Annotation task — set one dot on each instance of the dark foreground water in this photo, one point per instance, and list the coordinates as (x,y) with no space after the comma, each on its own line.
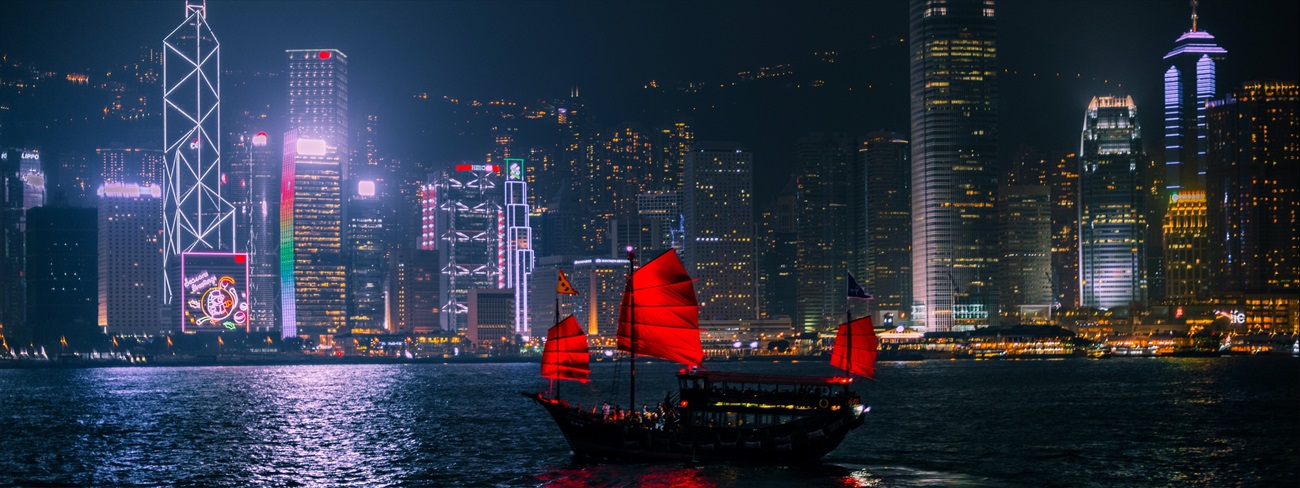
(1121,422)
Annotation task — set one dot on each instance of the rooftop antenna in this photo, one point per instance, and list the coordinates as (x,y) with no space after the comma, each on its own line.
(1194,2)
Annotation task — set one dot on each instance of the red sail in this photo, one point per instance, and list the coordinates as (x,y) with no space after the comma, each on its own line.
(855,348)
(565,356)
(661,299)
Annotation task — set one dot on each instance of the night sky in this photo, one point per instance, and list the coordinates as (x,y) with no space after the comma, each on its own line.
(529,50)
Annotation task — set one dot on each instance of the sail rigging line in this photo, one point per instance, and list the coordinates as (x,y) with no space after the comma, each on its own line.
(631,313)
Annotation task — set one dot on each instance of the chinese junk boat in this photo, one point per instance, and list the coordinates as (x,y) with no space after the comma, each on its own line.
(717,416)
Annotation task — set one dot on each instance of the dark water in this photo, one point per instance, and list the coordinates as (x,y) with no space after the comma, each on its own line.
(1162,422)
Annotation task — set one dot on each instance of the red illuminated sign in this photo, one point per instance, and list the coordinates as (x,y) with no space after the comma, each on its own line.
(324,54)
(478,167)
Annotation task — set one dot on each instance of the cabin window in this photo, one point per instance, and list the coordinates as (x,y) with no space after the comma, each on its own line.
(730,419)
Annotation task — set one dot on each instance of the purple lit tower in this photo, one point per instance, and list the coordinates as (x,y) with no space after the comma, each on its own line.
(1189,84)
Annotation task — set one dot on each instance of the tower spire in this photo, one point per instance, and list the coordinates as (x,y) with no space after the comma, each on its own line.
(1194,2)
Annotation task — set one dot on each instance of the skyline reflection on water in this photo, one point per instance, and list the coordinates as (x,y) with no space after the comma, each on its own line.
(1027,423)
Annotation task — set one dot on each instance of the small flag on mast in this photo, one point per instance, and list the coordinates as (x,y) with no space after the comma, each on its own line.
(856,290)
(563,287)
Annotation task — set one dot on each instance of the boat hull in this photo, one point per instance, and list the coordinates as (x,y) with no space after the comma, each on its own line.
(804,441)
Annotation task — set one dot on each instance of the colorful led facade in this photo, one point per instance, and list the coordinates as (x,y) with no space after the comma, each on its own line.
(1112,217)
(214,287)
(518,243)
(196,216)
(954,157)
(315,167)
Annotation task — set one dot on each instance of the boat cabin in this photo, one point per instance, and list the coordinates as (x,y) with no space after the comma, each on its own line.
(743,400)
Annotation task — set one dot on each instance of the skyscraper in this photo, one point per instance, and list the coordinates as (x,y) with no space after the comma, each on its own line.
(718,204)
(196,216)
(367,253)
(62,278)
(1189,84)
(22,187)
(1186,251)
(470,224)
(315,168)
(954,150)
(130,165)
(518,240)
(255,193)
(886,159)
(1112,217)
(825,227)
(1025,254)
(1253,174)
(1063,178)
(130,246)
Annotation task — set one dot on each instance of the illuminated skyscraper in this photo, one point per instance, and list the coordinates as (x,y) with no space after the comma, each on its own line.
(825,228)
(1063,177)
(718,203)
(367,252)
(1189,84)
(600,283)
(196,216)
(1186,239)
(954,153)
(1112,217)
(470,224)
(664,207)
(1254,177)
(313,286)
(130,245)
(133,165)
(1025,254)
(518,243)
(254,190)
(886,157)
(22,188)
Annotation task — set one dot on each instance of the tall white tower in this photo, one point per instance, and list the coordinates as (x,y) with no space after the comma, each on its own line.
(518,242)
(195,216)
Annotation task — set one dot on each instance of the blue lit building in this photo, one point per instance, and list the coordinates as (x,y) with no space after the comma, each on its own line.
(1112,219)
(1189,84)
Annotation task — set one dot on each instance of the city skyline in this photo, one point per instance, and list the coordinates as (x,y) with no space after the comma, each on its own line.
(357,214)
(1046,61)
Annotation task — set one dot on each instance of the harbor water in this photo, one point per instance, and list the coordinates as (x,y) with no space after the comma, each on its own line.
(1118,422)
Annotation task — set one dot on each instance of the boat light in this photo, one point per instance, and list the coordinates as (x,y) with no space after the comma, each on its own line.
(683,403)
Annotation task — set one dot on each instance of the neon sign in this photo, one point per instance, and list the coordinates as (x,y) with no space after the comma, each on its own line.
(478,167)
(215,287)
